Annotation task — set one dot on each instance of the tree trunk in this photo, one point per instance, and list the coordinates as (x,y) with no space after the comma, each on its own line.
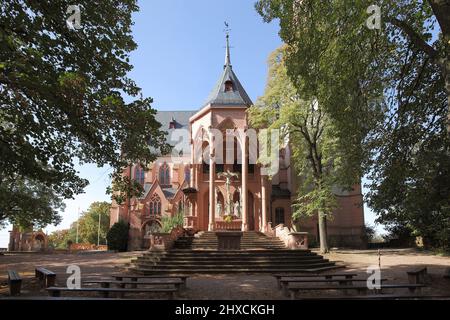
(323,233)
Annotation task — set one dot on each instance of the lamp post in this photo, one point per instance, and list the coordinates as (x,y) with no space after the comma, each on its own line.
(78,219)
(98,231)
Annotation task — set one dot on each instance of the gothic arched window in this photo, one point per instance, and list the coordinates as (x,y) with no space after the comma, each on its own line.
(164,174)
(139,174)
(154,206)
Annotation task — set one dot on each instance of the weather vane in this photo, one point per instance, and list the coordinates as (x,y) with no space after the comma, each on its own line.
(227,28)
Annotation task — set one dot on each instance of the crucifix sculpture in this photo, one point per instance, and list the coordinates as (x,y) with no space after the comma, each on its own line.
(228,175)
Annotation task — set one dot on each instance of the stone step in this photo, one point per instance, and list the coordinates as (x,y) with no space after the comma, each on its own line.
(241,253)
(240,258)
(211,263)
(235,270)
(255,252)
(232,263)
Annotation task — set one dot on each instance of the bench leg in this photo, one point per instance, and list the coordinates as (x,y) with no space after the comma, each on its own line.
(134,285)
(55,293)
(285,289)
(171,295)
(412,279)
(15,287)
(292,294)
(279,283)
(50,281)
(121,294)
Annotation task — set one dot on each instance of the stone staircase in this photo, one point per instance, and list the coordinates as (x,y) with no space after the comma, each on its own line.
(250,240)
(258,254)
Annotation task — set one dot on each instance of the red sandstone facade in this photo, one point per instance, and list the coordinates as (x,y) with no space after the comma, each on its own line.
(184,185)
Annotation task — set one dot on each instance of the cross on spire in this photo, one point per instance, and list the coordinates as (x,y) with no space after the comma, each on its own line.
(227,50)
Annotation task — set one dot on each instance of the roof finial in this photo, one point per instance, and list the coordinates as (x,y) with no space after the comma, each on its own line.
(227,52)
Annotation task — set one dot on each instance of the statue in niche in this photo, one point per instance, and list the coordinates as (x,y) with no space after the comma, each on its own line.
(237,209)
(218,209)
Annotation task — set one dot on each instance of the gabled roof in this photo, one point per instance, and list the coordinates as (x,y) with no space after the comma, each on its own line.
(237,96)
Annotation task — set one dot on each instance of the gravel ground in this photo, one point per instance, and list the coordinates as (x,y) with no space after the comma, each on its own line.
(394,264)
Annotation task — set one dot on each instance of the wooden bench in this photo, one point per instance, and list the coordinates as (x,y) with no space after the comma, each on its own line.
(56,291)
(360,289)
(326,276)
(177,283)
(285,281)
(135,277)
(417,276)
(14,282)
(46,277)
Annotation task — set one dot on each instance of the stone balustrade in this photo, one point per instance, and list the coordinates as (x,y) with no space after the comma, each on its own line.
(232,225)
(291,239)
(164,241)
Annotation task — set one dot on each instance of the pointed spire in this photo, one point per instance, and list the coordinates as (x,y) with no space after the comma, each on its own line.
(227,53)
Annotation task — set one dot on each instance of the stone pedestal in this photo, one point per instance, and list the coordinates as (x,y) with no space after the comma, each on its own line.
(298,240)
(229,240)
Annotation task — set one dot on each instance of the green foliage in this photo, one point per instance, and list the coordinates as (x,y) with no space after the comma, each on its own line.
(315,148)
(384,89)
(168,223)
(28,203)
(88,223)
(87,227)
(369,233)
(118,236)
(58,239)
(63,97)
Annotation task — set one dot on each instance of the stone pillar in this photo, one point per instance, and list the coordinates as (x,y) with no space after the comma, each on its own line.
(212,189)
(192,182)
(244,182)
(263,204)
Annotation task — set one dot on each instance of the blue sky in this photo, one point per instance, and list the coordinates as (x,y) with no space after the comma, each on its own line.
(179,58)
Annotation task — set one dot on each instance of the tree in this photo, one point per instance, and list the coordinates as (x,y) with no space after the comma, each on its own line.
(28,203)
(64,92)
(317,154)
(402,72)
(314,28)
(58,239)
(88,223)
(118,236)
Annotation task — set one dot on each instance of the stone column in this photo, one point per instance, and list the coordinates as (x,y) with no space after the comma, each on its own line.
(263,204)
(192,182)
(244,182)
(212,189)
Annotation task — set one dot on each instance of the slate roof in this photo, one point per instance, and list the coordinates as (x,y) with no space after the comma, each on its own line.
(169,192)
(147,187)
(180,119)
(237,96)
